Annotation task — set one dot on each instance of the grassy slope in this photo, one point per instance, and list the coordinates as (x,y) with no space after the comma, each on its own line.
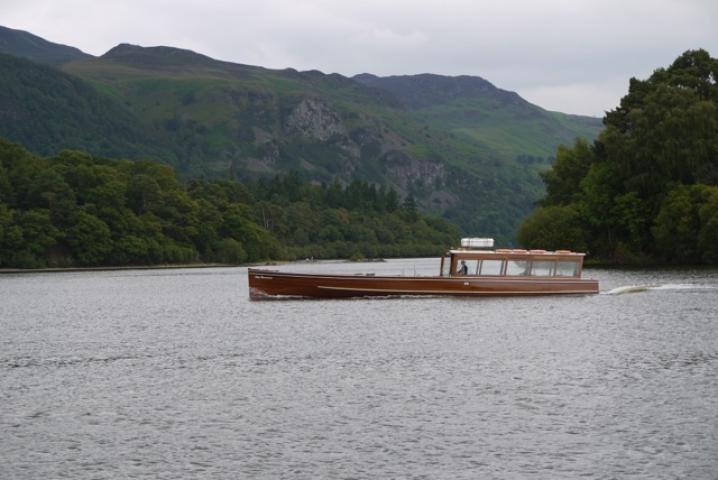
(501,122)
(510,134)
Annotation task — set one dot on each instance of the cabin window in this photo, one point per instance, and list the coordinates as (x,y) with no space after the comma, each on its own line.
(542,268)
(517,267)
(491,267)
(472,267)
(566,269)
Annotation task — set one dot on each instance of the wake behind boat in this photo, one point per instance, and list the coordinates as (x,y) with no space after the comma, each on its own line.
(473,270)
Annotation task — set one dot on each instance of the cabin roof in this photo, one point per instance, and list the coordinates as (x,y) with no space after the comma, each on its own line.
(514,253)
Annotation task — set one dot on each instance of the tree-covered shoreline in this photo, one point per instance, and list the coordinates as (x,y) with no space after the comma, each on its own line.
(646,191)
(76,210)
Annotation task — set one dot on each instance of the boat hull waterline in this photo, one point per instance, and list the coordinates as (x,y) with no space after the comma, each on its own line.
(267,284)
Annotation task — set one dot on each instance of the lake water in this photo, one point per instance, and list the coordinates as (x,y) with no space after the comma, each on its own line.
(172,374)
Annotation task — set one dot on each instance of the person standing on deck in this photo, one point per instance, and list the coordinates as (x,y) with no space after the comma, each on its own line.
(464,269)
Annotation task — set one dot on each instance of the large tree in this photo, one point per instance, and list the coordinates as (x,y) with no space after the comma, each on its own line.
(628,187)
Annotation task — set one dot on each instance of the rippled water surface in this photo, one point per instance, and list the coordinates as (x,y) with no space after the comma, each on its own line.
(176,374)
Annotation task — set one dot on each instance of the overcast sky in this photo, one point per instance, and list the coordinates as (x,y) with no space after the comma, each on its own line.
(574,56)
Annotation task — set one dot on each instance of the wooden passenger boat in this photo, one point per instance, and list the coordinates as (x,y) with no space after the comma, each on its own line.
(467,271)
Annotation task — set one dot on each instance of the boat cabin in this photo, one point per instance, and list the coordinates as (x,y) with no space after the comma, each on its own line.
(474,259)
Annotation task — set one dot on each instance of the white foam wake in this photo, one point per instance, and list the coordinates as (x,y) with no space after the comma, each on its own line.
(685,286)
(669,286)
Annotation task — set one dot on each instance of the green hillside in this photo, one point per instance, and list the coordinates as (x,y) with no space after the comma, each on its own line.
(215,119)
(49,110)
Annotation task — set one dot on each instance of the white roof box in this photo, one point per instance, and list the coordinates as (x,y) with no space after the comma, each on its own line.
(477,242)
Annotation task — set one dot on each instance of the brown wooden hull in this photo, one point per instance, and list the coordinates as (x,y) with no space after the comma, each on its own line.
(264,284)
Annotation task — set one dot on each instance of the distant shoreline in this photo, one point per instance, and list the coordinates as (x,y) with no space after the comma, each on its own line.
(8,271)
(109,269)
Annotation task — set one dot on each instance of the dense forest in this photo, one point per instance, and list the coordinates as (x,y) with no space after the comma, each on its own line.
(75,209)
(646,191)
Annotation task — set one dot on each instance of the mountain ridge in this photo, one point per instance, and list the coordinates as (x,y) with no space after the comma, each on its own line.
(24,44)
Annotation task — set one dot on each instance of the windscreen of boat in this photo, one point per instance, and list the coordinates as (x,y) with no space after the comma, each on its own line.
(445,266)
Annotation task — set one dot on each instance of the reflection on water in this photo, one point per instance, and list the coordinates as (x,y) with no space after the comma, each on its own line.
(175,374)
